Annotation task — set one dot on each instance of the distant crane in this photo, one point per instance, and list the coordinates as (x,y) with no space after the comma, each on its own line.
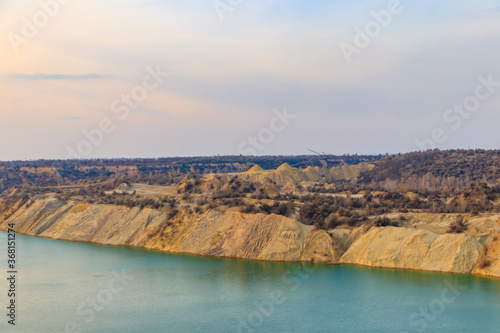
(320,154)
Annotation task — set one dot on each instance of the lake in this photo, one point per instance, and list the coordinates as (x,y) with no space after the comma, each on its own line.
(75,287)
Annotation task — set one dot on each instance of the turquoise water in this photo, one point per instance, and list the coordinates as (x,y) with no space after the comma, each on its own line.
(72,287)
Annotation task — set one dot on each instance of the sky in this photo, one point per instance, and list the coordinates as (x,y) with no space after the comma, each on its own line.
(151,78)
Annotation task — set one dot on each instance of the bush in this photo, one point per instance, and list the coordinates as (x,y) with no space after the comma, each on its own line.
(249,209)
(458,226)
(385,222)
(172,214)
(485,263)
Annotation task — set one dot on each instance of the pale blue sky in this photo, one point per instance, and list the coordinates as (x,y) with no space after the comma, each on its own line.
(227,76)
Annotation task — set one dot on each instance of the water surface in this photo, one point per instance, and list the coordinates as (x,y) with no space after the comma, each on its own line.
(73,287)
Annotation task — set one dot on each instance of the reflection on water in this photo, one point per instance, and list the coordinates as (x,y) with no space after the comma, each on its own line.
(65,283)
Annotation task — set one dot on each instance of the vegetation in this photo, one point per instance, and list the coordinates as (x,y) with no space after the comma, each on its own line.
(465,182)
(458,226)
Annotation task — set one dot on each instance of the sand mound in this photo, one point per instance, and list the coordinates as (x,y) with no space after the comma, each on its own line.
(285,167)
(295,174)
(255,168)
(314,173)
(124,188)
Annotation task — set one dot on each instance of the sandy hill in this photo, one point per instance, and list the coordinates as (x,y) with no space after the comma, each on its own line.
(287,173)
(255,169)
(284,179)
(288,178)
(124,188)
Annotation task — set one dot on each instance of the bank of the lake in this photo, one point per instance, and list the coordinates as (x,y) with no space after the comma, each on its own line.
(230,233)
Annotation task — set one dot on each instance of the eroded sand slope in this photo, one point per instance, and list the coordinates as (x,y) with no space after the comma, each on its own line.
(264,237)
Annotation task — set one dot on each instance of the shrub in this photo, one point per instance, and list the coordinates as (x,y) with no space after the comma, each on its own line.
(458,226)
(385,222)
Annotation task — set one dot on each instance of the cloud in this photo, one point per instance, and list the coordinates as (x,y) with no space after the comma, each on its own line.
(42,76)
(228,76)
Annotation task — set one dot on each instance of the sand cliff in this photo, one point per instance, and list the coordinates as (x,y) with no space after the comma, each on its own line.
(266,237)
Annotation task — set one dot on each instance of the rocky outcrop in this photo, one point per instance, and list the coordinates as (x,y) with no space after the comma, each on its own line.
(229,234)
(416,249)
(491,262)
(262,237)
(287,173)
(320,248)
(285,179)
